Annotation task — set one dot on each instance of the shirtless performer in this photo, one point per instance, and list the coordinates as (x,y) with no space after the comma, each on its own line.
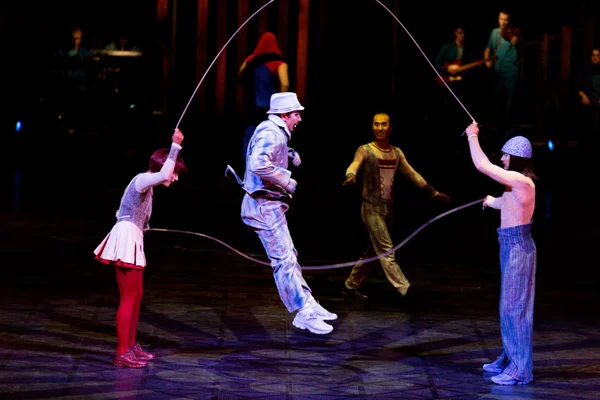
(518,255)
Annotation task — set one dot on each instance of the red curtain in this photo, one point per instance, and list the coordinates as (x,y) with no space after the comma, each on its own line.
(162,9)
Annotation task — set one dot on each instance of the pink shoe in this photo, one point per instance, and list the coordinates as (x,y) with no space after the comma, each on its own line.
(141,354)
(129,360)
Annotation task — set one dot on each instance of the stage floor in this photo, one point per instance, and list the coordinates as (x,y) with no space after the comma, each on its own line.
(219,330)
(215,320)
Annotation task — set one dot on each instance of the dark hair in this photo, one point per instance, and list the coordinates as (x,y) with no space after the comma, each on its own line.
(382,112)
(455,27)
(522,165)
(158,158)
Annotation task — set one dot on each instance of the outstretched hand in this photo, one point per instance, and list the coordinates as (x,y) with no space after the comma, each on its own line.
(350,178)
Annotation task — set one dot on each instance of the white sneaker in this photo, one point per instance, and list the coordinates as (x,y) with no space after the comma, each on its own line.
(308,319)
(321,311)
(493,367)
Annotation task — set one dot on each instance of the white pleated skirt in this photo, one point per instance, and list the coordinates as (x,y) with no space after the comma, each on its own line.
(123,246)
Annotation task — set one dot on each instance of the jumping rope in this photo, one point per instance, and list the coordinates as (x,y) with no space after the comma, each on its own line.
(215,59)
(339,265)
(329,266)
(427,59)
(271,1)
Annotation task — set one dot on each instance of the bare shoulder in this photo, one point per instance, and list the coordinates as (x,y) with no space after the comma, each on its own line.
(524,185)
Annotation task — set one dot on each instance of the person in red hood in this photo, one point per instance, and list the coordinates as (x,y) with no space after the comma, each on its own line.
(263,73)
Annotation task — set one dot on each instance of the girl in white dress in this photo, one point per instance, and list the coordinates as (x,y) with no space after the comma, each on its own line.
(123,248)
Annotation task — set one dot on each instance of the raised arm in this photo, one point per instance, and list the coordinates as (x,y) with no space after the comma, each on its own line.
(483,164)
(150,179)
(352,170)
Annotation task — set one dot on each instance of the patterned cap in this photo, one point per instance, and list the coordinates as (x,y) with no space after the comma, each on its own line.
(518,146)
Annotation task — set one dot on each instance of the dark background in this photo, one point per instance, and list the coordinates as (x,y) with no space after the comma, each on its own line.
(71,171)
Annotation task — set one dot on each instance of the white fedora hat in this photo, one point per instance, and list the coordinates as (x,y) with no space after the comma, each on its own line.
(285,102)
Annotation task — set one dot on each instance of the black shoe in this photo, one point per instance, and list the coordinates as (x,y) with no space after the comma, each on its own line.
(354,293)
